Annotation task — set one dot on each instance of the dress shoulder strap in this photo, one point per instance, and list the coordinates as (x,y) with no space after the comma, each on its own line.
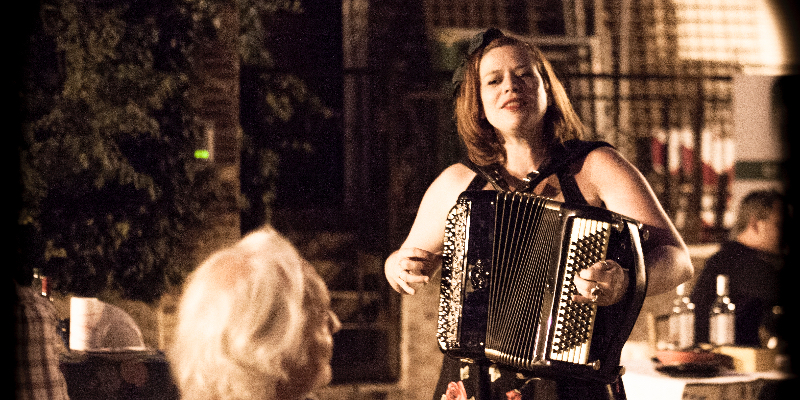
(484,175)
(477,183)
(562,156)
(574,150)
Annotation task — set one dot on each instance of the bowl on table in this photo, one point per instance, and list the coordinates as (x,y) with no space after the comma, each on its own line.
(691,362)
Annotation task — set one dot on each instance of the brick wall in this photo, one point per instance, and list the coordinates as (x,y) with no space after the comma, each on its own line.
(215,98)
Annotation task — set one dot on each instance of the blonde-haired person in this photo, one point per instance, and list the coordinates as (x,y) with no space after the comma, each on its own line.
(522,134)
(254,322)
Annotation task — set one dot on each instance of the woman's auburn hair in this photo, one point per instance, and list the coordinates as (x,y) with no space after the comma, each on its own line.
(484,145)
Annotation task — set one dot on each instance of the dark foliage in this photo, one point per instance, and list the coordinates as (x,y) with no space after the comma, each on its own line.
(109,179)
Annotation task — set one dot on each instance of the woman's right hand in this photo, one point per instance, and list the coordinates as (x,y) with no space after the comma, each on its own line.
(409,267)
(420,255)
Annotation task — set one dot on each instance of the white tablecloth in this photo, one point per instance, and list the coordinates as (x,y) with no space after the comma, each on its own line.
(643,382)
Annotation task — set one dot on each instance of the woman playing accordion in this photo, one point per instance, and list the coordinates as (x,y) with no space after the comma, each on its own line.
(522,135)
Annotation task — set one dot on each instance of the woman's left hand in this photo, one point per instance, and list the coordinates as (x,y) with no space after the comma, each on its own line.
(604,283)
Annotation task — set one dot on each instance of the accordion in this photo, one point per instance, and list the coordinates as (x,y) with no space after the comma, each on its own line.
(508,266)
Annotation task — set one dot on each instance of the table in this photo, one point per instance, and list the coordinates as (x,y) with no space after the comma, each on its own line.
(129,375)
(643,382)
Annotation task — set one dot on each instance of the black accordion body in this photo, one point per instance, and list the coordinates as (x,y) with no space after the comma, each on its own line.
(506,293)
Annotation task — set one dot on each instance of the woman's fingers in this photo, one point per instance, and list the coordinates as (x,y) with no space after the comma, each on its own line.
(417,261)
(603,283)
(590,291)
(404,286)
(414,267)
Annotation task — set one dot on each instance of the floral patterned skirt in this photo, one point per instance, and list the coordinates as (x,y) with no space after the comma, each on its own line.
(461,380)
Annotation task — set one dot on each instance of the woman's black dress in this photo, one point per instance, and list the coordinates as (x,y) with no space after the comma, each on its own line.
(460,380)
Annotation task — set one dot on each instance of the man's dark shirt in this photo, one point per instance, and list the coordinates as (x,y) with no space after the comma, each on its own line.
(753,288)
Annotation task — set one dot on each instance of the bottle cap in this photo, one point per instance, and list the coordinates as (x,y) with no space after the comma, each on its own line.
(722,285)
(681,289)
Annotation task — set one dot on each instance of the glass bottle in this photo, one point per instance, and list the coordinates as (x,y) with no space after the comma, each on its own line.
(721,323)
(681,320)
(46,289)
(36,284)
(41,285)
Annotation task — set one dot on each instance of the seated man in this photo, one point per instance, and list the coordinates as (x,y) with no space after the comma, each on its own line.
(751,260)
(38,347)
(254,322)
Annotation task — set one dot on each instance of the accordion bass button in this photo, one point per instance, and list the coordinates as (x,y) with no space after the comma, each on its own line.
(479,275)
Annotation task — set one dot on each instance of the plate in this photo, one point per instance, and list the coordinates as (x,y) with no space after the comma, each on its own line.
(693,356)
(689,370)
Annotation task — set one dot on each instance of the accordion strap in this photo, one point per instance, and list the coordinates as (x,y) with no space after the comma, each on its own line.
(561,157)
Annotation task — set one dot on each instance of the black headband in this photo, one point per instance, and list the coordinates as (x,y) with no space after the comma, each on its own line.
(477,42)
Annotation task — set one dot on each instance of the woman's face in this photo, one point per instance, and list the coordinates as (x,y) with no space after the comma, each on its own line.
(321,324)
(512,90)
(320,335)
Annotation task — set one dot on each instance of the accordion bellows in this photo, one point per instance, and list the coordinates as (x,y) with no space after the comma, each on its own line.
(508,266)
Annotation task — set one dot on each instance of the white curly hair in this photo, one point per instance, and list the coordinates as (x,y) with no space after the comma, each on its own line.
(241,320)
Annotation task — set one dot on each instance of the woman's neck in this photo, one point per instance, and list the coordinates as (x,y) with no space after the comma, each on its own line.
(524,156)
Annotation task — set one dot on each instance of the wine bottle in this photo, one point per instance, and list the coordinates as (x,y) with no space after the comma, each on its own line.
(46,288)
(41,284)
(721,323)
(36,284)
(681,320)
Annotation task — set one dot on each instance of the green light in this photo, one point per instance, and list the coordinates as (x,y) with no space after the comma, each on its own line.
(204,154)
